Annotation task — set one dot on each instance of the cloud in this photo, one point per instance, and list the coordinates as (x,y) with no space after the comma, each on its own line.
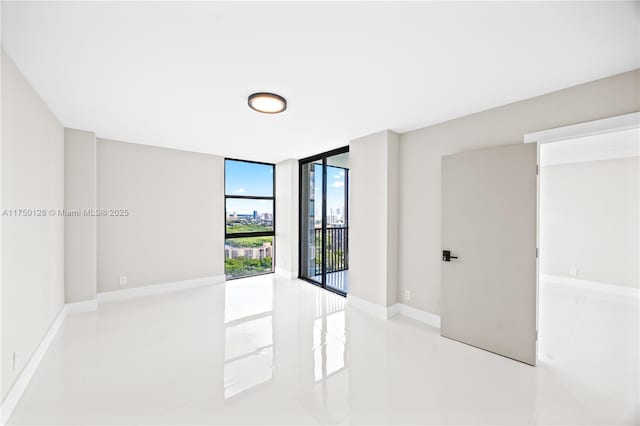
(339,175)
(239,190)
(338,184)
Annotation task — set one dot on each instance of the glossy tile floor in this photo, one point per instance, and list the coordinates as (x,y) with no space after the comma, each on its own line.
(272,351)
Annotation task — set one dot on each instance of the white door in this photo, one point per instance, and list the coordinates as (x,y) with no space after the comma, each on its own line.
(489,220)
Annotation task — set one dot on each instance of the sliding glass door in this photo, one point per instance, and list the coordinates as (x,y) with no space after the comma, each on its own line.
(324,220)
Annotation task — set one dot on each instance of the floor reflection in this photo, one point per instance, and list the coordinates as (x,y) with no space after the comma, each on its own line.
(322,352)
(249,333)
(329,349)
(265,350)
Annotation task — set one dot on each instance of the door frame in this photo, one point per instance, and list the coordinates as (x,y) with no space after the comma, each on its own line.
(564,133)
(323,156)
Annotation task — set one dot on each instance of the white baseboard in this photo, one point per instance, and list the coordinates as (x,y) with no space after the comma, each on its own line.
(80,307)
(21,383)
(374,309)
(382,312)
(393,310)
(290,275)
(423,316)
(591,289)
(149,290)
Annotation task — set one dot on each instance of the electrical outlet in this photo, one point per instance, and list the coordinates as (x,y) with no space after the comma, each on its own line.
(14,361)
(123,280)
(407,295)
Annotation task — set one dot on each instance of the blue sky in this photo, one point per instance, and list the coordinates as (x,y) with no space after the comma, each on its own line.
(335,190)
(242,178)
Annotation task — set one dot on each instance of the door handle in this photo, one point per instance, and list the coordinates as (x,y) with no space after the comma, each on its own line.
(446,256)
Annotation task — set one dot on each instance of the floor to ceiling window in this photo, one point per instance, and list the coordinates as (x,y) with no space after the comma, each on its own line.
(324,220)
(250,218)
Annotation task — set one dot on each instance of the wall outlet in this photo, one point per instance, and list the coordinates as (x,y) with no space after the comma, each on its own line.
(407,295)
(14,361)
(123,280)
(573,271)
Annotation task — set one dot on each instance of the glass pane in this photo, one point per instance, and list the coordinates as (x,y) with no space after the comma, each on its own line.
(311,250)
(339,160)
(243,178)
(337,232)
(246,215)
(336,196)
(248,256)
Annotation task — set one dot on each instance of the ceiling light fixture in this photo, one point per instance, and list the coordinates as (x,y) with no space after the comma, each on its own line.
(267,103)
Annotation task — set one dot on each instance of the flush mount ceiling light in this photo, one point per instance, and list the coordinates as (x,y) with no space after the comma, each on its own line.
(267,103)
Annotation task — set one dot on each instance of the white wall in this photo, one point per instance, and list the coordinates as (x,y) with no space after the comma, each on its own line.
(32,263)
(286,244)
(393,198)
(373,218)
(589,220)
(80,232)
(175,227)
(421,152)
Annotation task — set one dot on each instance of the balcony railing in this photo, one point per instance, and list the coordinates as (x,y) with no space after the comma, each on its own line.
(337,250)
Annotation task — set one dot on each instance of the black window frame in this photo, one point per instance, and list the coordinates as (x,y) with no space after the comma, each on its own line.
(323,156)
(272,233)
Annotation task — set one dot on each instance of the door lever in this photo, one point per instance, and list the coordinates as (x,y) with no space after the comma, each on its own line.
(446,256)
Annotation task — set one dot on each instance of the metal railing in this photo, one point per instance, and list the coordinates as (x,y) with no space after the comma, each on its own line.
(337,250)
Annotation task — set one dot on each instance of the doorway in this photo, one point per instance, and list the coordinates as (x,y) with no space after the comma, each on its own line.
(588,273)
(324,220)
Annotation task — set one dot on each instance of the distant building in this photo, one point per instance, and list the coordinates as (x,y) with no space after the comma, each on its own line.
(231,253)
(266,250)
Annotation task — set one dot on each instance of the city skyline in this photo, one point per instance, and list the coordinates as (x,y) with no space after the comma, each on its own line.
(245,206)
(254,179)
(335,190)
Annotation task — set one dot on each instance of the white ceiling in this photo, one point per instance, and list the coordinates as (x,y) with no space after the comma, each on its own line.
(178,74)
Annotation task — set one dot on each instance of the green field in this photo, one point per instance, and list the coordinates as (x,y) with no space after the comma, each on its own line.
(237,227)
(248,241)
(242,266)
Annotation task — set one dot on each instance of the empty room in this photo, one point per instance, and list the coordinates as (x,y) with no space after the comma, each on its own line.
(320,213)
